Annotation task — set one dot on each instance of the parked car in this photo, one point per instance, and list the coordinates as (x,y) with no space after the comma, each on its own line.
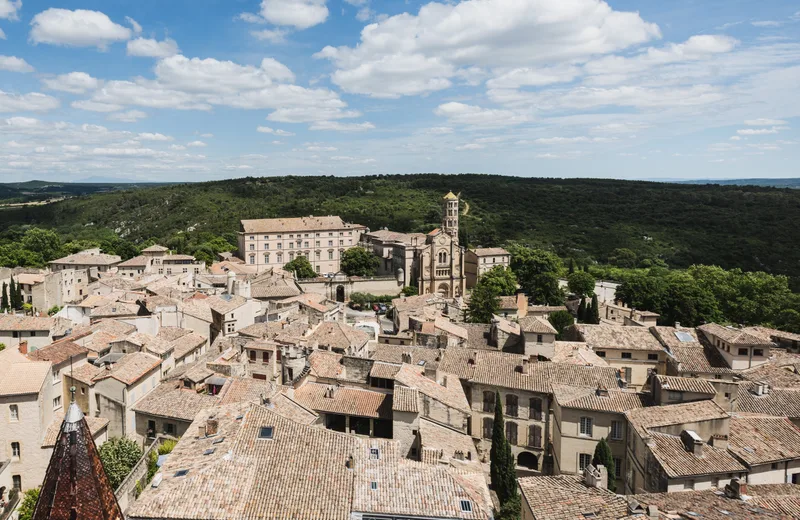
(376,307)
(382,307)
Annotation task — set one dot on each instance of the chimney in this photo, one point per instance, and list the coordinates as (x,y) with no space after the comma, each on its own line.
(405,357)
(736,489)
(533,358)
(652,512)
(201,431)
(350,462)
(525,367)
(23,347)
(596,477)
(677,324)
(692,442)
(602,391)
(212,426)
(719,441)
(648,440)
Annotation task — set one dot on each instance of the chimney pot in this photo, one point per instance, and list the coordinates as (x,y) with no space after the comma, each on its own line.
(23,347)
(212,426)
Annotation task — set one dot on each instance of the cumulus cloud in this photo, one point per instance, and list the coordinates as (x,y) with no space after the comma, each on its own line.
(470,146)
(14,64)
(9,8)
(416,54)
(134,24)
(129,116)
(93,106)
(271,35)
(2,35)
(79,28)
(31,102)
(300,14)
(196,144)
(765,122)
(74,82)
(153,48)
(268,130)
(148,136)
(758,131)
(338,126)
(472,115)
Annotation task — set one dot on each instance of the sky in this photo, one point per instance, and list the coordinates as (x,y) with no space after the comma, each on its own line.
(180,90)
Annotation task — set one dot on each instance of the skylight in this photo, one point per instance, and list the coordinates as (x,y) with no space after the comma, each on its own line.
(466,506)
(373,485)
(374,453)
(217,441)
(181,472)
(266,432)
(209,451)
(684,337)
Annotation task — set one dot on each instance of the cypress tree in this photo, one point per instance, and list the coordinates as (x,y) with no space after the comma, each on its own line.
(571,265)
(12,295)
(603,457)
(503,472)
(595,311)
(582,311)
(20,299)
(4,304)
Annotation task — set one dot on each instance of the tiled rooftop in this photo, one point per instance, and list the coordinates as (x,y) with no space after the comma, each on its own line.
(449,392)
(677,462)
(735,336)
(781,402)
(19,376)
(615,337)
(761,439)
(58,352)
(288,225)
(131,367)
(657,416)
(565,497)
(171,400)
(686,384)
(345,400)
(601,400)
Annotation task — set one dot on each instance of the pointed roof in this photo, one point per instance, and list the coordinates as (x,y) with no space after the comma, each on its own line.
(450,196)
(76,485)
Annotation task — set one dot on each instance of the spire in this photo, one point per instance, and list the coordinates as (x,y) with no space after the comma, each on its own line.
(75,486)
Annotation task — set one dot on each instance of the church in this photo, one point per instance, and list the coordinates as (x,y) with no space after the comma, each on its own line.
(432,262)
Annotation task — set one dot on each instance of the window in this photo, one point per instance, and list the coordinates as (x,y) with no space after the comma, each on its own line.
(466,506)
(16,451)
(230,327)
(252,247)
(374,453)
(266,432)
(488,426)
(56,375)
(586,426)
(266,258)
(442,257)
(758,352)
(317,255)
(169,428)
(584,459)
(674,396)
(252,259)
(181,473)
(539,338)
(341,242)
(265,357)
(511,432)
(17,480)
(627,374)
(317,267)
(330,255)
(291,256)
(652,357)
(266,237)
(535,436)
(535,410)
(689,484)
(617,467)
(253,356)
(616,430)
(57,402)
(266,246)
(14,412)
(330,243)
(305,245)
(252,237)
(316,243)
(280,257)
(715,482)
(626,355)
(488,401)
(280,246)
(600,353)
(742,351)
(774,465)
(373,485)
(511,405)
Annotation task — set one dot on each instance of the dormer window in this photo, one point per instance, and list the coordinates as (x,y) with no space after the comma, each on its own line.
(374,453)
(266,432)
(466,506)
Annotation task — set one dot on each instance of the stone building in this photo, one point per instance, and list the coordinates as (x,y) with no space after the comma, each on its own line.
(482,259)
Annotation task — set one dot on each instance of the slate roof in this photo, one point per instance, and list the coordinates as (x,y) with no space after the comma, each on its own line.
(170,400)
(762,439)
(678,462)
(565,497)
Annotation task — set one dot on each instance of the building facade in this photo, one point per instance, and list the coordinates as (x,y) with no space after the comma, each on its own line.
(482,259)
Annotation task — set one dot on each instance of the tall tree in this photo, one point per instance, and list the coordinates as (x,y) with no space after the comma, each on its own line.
(537,272)
(46,242)
(12,295)
(301,268)
(502,466)
(595,314)
(28,505)
(484,301)
(582,311)
(560,320)
(119,455)
(603,457)
(571,266)
(4,302)
(501,280)
(581,283)
(358,261)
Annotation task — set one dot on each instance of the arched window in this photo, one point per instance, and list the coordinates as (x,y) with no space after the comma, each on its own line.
(442,257)
(488,401)
(511,433)
(528,460)
(511,405)
(488,426)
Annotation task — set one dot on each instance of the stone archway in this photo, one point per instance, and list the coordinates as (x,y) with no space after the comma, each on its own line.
(528,460)
(443,289)
(340,293)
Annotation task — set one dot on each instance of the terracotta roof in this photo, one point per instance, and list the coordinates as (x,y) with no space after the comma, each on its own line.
(735,336)
(394,354)
(781,402)
(289,225)
(326,364)
(490,251)
(672,337)
(508,302)
(450,328)
(565,497)
(96,424)
(199,309)
(172,333)
(115,309)
(601,400)
(657,416)
(225,303)
(770,501)
(698,359)
(677,461)
(449,392)
(546,308)
(282,289)
(477,336)
(536,325)
(152,344)
(686,384)
(136,261)
(761,439)
(445,442)
(335,335)
(19,322)
(58,352)
(112,326)
(86,373)
(615,337)
(405,399)
(186,344)
(99,341)
(576,353)
(770,333)
(131,367)
(345,400)
(177,258)
(775,374)
(155,248)
(198,373)
(407,303)
(170,400)
(507,326)
(20,376)
(384,370)
(88,259)
(30,278)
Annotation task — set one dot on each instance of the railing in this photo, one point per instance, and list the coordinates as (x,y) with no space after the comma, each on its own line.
(13,500)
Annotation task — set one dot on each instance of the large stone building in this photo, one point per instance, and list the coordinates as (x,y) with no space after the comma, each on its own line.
(274,242)
(434,263)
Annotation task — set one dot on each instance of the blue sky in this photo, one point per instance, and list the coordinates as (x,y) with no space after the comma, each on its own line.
(183,91)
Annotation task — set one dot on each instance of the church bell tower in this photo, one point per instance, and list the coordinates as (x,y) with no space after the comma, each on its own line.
(450,215)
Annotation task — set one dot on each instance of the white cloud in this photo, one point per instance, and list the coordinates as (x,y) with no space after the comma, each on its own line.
(317,148)
(147,136)
(765,122)
(300,14)
(735,138)
(438,130)
(766,23)
(758,131)
(14,64)
(2,35)
(130,116)
(271,35)
(134,24)
(341,127)
(535,77)
(310,114)
(74,82)
(207,136)
(92,106)
(196,144)
(79,28)
(128,152)
(153,48)
(470,146)
(415,54)
(9,8)
(250,18)
(238,167)
(547,156)
(618,128)
(31,102)
(177,147)
(268,130)
(472,115)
